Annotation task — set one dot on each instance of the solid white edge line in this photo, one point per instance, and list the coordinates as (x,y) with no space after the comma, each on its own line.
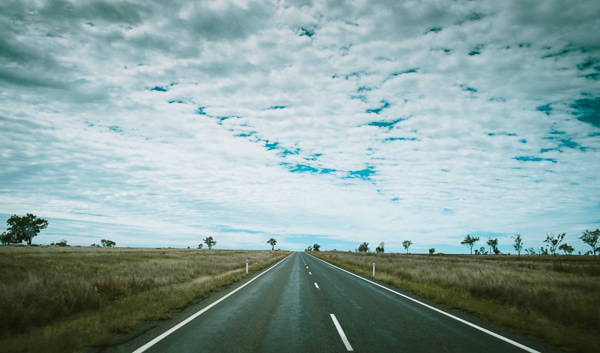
(316,285)
(507,340)
(341,333)
(184,322)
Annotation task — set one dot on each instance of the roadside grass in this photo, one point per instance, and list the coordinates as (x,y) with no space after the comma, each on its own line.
(57,299)
(556,299)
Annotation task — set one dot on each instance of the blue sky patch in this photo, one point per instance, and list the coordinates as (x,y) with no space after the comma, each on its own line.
(534,159)
(385,124)
(385,104)
(477,50)
(587,110)
(546,108)
(302,168)
(402,139)
(468,89)
(364,174)
(115,128)
(306,32)
(200,111)
(159,89)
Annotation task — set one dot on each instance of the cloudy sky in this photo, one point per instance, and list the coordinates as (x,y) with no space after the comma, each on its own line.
(330,122)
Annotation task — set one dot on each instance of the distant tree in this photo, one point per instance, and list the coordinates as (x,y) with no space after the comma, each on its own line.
(406,244)
(591,239)
(431,251)
(316,247)
(22,229)
(554,242)
(108,243)
(200,246)
(543,250)
(62,242)
(530,251)
(309,248)
(568,249)
(95,245)
(380,248)
(210,242)
(518,245)
(364,247)
(470,241)
(481,251)
(493,243)
(272,241)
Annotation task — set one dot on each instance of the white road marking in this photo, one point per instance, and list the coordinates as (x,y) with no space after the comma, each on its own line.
(316,285)
(184,322)
(493,334)
(341,332)
(309,273)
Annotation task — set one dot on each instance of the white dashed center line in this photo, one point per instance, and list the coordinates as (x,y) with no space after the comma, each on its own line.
(341,332)
(316,285)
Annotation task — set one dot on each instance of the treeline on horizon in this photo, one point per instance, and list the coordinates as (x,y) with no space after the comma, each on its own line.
(25,228)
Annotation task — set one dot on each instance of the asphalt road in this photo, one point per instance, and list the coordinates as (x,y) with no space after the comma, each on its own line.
(292,308)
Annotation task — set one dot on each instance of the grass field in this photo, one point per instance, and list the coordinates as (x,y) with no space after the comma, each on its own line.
(62,299)
(554,298)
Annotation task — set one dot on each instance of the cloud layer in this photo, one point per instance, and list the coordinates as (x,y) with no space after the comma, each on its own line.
(307,121)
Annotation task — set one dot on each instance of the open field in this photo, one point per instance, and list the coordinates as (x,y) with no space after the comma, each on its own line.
(554,298)
(62,299)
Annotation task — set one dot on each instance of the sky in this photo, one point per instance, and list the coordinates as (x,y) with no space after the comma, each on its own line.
(330,122)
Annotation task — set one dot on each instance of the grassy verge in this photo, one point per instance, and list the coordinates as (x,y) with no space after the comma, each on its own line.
(55,299)
(556,299)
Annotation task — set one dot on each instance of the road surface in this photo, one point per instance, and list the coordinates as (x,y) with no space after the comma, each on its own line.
(306,305)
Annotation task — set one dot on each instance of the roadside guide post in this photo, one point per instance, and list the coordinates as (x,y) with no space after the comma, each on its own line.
(246,266)
(373,270)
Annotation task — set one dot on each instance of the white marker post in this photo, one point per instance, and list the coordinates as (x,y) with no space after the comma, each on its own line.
(373,270)
(246,266)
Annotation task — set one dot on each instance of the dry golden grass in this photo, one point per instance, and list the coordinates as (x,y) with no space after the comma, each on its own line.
(57,299)
(554,298)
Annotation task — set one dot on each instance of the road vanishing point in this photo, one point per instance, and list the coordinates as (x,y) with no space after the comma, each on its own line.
(304,304)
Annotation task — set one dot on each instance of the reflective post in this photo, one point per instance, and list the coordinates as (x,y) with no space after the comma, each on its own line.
(373,269)
(246,266)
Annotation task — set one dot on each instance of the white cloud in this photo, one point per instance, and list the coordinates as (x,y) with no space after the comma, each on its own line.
(309,122)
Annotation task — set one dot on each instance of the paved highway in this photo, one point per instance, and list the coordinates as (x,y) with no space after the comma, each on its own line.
(306,305)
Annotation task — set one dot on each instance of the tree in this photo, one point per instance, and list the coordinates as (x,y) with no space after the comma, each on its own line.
(8,238)
(591,239)
(108,243)
(316,247)
(470,241)
(493,243)
(200,246)
(431,251)
(364,247)
(530,251)
(309,248)
(518,245)
(481,251)
(553,241)
(406,244)
(272,241)
(568,249)
(380,248)
(23,229)
(210,242)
